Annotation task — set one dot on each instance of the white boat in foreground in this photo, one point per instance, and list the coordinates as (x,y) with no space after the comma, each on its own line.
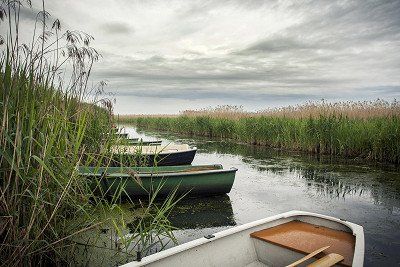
(294,238)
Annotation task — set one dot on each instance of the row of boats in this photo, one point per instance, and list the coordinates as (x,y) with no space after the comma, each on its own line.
(294,238)
(164,169)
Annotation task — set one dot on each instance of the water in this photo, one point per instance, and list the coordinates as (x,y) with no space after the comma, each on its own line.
(269,182)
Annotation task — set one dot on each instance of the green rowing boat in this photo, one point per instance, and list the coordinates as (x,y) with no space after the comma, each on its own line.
(142,181)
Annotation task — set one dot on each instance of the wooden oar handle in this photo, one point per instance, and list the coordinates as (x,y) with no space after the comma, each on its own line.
(307,257)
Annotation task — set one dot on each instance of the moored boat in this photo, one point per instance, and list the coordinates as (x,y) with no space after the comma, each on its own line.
(294,238)
(140,142)
(121,135)
(150,155)
(140,181)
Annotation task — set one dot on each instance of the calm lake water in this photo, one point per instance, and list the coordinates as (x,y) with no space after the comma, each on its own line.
(269,182)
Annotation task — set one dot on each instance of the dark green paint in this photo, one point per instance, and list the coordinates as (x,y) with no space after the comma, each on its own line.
(142,181)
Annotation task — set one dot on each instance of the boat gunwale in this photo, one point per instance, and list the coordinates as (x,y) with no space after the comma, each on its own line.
(144,143)
(156,172)
(158,153)
(357,231)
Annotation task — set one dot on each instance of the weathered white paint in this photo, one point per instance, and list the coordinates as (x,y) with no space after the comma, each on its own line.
(234,247)
(146,150)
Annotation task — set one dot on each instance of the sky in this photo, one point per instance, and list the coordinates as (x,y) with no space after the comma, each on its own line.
(168,56)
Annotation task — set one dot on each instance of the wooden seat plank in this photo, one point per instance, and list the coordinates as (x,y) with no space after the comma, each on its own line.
(305,238)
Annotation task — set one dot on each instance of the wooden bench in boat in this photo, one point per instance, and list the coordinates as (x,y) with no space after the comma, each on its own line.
(306,238)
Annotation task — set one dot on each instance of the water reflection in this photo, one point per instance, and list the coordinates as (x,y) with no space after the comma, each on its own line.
(206,212)
(329,184)
(327,176)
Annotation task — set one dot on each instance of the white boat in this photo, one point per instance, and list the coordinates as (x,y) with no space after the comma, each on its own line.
(294,238)
(151,149)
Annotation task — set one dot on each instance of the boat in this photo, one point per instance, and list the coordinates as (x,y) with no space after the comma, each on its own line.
(121,135)
(294,238)
(142,181)
(151,155)
(140,142)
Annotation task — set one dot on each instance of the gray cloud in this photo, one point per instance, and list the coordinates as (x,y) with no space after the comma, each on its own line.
(31,14)
(201,94)
(27,13)
(276,45)
(116,28)
(266,53)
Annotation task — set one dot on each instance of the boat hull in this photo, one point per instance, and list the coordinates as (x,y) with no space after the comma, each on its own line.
(157,159)
(234,247)
(136,182)
(172,159)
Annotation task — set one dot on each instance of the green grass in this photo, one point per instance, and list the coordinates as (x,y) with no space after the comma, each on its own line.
(47,130)
(376,138)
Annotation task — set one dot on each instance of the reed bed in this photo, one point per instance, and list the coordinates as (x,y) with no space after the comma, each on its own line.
(50,124)
(363,130)
(351,109)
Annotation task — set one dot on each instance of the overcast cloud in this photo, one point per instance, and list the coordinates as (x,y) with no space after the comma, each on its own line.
(166,56)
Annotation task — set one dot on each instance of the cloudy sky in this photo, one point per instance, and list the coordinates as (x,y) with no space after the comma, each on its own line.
(166,56)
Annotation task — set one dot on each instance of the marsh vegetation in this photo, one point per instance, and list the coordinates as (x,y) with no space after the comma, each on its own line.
(51,122)
(361,130)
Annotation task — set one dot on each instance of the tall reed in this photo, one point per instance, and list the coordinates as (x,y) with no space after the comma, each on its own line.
(49,126)
(364,130)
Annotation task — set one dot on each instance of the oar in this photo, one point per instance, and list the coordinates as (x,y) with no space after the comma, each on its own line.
(309,256)
(328,260)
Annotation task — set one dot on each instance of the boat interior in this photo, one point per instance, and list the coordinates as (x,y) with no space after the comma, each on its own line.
(314,241)
(164,169)
(292,239)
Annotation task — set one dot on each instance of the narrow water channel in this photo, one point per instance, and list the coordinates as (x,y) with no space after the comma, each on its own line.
(269,182)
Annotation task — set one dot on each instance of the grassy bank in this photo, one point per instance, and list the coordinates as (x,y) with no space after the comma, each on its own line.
(355,130)
(52,122)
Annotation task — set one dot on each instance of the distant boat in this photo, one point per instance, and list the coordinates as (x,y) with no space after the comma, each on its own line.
(294,238)
(140,142)
(150,155)
(121,135)
(118,134)
(139,181)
